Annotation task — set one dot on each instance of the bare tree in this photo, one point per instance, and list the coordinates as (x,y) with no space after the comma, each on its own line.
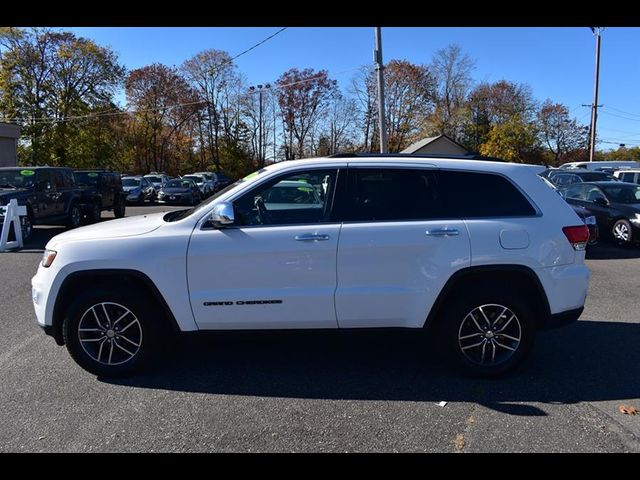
(212,73)
(452,72)
(303,97)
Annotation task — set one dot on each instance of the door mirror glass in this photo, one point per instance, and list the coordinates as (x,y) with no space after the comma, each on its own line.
(222,215)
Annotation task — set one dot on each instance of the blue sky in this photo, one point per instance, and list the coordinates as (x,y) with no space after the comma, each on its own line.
(557,63)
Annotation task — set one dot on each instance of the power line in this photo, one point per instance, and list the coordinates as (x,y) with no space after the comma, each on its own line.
(258,44)
(622,111)
(620,116)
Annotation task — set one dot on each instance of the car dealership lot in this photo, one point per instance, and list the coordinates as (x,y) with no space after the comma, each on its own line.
(327,391)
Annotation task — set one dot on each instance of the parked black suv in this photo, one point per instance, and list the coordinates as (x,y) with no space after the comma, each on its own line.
(100,190)
(49,193)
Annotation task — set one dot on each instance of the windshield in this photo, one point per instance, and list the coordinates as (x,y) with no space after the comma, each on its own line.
(596,177)
(85,179)
(180,214)
(130,182)
(154,179)
(623,194)
(178,184)
(18,178)
(194,178)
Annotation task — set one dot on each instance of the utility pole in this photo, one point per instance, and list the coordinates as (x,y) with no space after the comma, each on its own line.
(377,54)
(594,106)
(261,137)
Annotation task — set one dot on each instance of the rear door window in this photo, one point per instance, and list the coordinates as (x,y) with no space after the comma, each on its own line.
(388,194)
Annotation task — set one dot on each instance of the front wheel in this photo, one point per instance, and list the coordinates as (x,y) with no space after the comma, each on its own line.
(112,333)
(490,333)
(621,232)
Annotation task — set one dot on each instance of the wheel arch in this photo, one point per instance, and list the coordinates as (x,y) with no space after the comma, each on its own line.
(518,277)
(85,279)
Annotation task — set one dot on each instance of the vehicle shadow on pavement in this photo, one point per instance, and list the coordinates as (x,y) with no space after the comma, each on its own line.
(611,251)
(587,361)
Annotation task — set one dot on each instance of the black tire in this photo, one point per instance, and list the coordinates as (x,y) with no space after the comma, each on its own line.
(621,232)
(26,224)
(74,218)
(149,333)
(94,214)
(119,208)
(458,322)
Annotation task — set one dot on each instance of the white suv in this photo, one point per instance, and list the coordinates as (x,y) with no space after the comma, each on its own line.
(482,250)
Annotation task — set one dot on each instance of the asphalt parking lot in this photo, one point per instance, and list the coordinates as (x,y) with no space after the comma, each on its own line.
(334,391)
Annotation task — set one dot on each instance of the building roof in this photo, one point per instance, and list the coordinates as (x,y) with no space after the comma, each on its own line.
(415,147)
(9,130)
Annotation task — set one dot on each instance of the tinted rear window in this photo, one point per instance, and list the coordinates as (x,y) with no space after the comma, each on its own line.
(476,195)
(391,194)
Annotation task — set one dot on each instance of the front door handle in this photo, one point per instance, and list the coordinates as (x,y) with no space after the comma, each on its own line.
(442,232)
(312,237)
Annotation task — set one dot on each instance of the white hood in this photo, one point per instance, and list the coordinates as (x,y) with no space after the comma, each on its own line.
(121,227)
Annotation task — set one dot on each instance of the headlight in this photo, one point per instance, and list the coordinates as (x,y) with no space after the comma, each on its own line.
(48,258)
(591,220)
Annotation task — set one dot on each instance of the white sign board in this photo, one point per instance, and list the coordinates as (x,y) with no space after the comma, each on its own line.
(11,214)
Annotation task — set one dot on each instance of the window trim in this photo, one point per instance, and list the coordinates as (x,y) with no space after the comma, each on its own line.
(537,214)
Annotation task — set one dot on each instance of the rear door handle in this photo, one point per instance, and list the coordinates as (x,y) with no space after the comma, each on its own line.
(312,237)
(442,232)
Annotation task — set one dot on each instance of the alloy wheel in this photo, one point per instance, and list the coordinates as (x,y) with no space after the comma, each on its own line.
(621,231)
(110,333)
(489,335)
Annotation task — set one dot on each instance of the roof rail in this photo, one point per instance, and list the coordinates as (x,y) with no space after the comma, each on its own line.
(471,156)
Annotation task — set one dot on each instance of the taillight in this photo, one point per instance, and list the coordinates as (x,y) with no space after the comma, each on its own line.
(577,236)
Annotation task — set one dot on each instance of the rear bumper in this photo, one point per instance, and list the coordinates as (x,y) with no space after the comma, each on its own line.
(557,320)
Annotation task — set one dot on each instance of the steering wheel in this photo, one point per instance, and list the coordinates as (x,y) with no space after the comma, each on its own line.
(263,214)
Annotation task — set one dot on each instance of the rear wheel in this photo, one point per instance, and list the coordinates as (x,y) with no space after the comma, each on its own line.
(490,332)
(621,232)
(119,208)
(94,212)
(113,333)
(75,216)
(26,223)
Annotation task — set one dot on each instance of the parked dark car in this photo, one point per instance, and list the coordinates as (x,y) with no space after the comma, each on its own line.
(587,217)
(220,181)
(590,221)
(561,178)
(100,190)
(180,191)
(138,189)
(158,180)
(49,193)
(616,206)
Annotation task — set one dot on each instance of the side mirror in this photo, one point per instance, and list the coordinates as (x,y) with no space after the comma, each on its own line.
(222,215)
(601,201)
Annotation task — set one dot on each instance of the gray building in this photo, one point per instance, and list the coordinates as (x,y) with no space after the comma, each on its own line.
(9,135)
(441,145)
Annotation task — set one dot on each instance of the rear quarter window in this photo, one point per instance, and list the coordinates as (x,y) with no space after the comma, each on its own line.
(477,195)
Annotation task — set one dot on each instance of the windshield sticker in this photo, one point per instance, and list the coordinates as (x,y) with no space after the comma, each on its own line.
(305,189)
(27,173)
(92,174)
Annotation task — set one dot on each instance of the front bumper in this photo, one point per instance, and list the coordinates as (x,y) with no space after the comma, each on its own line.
(557,320)
(635,230)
